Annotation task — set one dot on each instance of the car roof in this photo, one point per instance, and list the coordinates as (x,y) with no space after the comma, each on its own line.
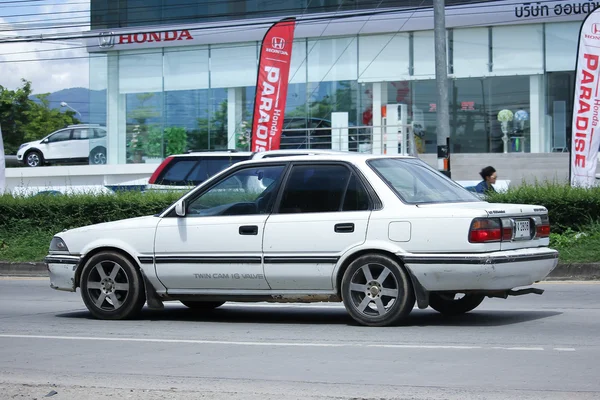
(214,153)
(353,157)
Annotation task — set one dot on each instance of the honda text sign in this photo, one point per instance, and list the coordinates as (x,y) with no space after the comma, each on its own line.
(586,105)
(271,85)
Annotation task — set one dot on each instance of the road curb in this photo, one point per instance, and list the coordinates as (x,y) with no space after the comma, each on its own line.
(23,269)
(575,272)
(563,272)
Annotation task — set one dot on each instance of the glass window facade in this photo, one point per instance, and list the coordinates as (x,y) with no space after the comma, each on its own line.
(162,101)
(127,13)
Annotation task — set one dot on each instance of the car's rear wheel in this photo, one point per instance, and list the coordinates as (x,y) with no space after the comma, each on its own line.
(377,291)
(98,157)
(112,287)
(203,305)
(34,159)
(451,304)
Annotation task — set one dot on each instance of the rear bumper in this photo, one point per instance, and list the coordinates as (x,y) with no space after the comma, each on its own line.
(62,271)
(500,270)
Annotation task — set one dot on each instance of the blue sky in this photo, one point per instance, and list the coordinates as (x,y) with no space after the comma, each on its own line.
(50,66)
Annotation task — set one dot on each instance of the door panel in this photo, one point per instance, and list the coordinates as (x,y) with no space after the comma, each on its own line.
(218,244)
(302,250)
(57,145)
(324,210)
(210,253)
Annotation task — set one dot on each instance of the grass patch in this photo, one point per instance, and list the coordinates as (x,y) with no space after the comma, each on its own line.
(578,246)
(24,246)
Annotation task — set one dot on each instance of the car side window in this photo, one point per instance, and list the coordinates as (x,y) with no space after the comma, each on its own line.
(60,136)
(322,188)
(357,197)
(248,191)
(81,134)
(99,133)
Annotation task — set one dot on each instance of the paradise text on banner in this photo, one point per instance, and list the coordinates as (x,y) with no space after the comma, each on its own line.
(586,104)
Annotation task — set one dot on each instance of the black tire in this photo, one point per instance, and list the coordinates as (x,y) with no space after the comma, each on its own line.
(126,286)
(370,301)
(202,305)
(98,157)
(33,159)
(447,304)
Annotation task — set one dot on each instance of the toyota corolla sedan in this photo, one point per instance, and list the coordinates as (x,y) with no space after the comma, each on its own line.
(377,233)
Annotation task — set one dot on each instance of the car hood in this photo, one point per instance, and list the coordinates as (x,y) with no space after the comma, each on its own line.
(114,226)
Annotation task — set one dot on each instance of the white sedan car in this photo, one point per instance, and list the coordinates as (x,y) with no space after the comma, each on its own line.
(374,232)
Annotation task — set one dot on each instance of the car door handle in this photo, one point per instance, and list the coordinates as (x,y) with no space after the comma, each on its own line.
(344,228)
(249,230)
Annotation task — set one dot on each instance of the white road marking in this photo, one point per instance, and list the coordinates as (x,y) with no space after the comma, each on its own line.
(276,344)
(520,348)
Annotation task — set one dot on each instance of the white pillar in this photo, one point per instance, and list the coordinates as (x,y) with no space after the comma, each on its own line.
(234,114)
(339,131)
(392,129)
(540,137)
(116,118)
(379,99)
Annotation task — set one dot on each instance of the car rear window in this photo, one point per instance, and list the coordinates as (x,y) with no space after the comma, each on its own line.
(415,182)
(187,171)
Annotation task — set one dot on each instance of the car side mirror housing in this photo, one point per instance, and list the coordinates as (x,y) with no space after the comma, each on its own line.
(45,141)
(180,208)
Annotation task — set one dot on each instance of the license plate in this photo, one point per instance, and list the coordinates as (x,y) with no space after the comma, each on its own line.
(522,229)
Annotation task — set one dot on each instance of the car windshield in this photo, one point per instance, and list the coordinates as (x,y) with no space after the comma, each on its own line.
(415,182)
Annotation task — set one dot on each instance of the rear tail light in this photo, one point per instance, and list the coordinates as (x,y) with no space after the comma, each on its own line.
(158,170)
(507,230)
(543,230)
(485,230)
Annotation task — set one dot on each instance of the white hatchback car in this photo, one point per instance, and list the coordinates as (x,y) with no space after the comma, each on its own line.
(75,143)
(376,232)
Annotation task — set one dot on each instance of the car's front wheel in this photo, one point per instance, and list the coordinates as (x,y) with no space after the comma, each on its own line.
(377,291)
(451,304)
(203,305)
(112,287)
(34,159)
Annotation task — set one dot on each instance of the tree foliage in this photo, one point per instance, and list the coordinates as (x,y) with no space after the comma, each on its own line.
(23,119)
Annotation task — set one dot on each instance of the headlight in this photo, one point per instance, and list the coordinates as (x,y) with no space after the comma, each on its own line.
(57,244)
(23,145)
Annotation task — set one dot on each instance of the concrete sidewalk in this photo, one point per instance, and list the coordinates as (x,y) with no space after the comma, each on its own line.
(563,272)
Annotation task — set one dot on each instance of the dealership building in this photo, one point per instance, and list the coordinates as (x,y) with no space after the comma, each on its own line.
(180,75)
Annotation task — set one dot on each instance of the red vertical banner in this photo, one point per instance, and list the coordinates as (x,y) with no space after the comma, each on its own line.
(272,85)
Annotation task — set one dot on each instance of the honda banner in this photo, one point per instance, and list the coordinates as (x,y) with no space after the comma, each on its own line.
(272,85)
(585,139)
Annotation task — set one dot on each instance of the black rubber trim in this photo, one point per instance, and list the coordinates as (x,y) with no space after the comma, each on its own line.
(60,260)
(207,260)
(301,260)
(146,259)
(478,259)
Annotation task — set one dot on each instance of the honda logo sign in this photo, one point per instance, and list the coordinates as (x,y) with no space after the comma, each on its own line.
(278,43)
(106,40)
(595,29)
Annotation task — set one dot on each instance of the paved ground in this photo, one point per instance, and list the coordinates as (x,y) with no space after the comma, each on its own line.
(528,347)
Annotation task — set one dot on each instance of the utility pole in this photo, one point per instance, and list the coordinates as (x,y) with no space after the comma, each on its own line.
(441,77)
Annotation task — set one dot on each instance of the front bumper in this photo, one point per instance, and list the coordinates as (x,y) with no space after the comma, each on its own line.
(62,269)
(500,270)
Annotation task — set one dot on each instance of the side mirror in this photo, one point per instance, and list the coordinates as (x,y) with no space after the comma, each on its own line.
(180,208)
(45,141)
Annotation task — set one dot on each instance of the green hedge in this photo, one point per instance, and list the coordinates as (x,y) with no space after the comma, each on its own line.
(568,207)
(55,213)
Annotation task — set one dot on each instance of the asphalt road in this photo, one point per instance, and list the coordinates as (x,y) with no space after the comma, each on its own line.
(528,347)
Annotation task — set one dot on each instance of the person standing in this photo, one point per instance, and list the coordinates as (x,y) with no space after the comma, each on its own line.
(489,176)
